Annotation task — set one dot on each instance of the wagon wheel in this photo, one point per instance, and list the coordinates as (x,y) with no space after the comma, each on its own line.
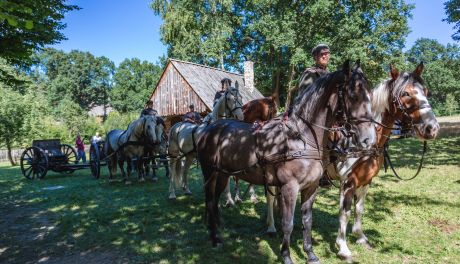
(95,160)
(34,163)
(71,155)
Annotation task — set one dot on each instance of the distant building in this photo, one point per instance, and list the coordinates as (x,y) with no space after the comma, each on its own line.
(100,111)
(183,83)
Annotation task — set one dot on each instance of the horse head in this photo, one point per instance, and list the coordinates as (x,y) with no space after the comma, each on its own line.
(355,106)
(150,129)
(229,105)
(409,103)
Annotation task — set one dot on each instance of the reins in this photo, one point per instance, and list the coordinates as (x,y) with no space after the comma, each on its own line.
(388,161)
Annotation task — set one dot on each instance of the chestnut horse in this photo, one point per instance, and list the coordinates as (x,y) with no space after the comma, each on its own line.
(287,153)
(257,110)
(402,97)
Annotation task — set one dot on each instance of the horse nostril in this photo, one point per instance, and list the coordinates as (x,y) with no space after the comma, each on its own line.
(428,129)
(366,141)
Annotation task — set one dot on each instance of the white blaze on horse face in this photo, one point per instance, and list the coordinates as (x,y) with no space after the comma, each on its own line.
(428,126)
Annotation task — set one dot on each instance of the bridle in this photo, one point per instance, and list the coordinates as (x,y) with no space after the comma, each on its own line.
(238,104)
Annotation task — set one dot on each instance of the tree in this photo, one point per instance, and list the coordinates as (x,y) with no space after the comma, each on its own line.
(278,35)
(134,82)
(452,8)
(441,71)
(77,76)
(12,116)
(29,25)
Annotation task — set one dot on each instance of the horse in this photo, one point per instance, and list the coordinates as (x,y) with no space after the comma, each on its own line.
(129,144)
(287,152)
(159,150)
(184,135)
(401,97)
(255,111)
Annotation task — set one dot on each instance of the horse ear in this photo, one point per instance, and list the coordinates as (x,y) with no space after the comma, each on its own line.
(237,85)
(357,64)
(394,73)
(346,68)
(419,69)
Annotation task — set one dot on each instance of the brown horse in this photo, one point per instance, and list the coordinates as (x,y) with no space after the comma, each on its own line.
(402,97)
(257,110)
(287,153)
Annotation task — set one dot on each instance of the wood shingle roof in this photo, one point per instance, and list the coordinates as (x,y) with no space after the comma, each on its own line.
(205,81)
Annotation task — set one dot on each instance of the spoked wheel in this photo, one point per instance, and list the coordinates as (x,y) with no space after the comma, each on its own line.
(34,163)
(71,156)
(95,160)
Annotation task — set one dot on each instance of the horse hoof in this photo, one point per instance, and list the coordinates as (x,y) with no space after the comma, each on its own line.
(287,260)
(238,200)
(254,199)
(271,233)
(364,243)
(172,196)
(188,192)
(141,180)
(155,179)
(127,183)
(229,204)
(345,257)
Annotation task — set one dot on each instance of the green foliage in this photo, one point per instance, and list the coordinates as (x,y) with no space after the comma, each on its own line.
(116,120)
(12,114)
(77,76)
(442,64)
(29,26)
(452,8)
(278,35)
(134,82)
(451,105)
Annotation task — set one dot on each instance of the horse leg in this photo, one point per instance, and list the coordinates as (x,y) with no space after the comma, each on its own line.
(252,192)
(175,165)
(154,168)
(212,208)
(237,190)
(271,230)
(360,196)
(346,198)
(288,196)
(229,202)
(140,169)
(187,164)
(166,166)
(128,168)
(308,198)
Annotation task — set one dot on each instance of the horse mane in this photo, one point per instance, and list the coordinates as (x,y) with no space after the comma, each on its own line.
(312,98)
(389,87)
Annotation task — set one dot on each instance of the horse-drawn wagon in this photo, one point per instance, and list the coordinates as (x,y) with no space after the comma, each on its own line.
(50,154)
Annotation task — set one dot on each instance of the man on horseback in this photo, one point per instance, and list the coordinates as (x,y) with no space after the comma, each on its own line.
(226,82)
(149,109)
(192,116)
(321,55)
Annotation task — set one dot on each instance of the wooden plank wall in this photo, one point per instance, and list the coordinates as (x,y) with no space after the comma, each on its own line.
(173,95)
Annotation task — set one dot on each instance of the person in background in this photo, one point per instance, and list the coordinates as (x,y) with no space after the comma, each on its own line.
(226,82)
(192,116)
(96,138)
(80,149)
(148,110)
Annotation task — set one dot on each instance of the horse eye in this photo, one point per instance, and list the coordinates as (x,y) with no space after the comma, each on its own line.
(405,94)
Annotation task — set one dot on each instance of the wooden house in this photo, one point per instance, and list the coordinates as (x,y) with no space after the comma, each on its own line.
(184,83)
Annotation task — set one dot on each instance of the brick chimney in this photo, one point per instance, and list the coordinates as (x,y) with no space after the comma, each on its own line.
(249,75)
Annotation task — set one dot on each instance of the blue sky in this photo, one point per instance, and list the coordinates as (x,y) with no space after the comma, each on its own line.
(120,29)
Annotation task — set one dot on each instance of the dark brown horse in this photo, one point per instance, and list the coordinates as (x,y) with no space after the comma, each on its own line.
(287,153)
(257,110)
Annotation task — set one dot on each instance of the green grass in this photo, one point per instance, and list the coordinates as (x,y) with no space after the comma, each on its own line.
(406,221)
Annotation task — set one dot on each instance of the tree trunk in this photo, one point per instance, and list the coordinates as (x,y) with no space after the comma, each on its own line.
(10,157)
(276,78)
(291,88)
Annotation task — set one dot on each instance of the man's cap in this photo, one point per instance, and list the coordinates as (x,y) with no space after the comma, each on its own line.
(191,106)
(316,50)
(149,102)
(226,80)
